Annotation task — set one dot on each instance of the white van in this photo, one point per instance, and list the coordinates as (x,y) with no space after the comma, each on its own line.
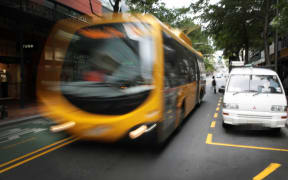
(254,96)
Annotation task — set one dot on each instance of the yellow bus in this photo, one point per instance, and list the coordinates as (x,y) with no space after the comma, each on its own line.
(119,76)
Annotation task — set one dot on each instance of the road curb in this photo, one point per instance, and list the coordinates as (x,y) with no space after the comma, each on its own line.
(28,118)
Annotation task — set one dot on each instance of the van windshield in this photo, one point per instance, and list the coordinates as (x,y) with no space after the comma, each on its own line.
(254,83)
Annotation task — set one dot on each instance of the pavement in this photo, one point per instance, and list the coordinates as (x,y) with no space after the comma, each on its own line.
(202,149)
(18,114)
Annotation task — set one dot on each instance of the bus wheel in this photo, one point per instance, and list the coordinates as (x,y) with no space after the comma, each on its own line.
(181,118)
(200,99)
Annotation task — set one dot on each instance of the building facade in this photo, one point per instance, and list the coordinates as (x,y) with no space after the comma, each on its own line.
(24,28)
(257,58)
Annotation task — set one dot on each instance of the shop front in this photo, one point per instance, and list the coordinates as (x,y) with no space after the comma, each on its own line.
(24,28)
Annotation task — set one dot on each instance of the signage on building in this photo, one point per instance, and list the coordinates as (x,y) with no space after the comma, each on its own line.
(28,46)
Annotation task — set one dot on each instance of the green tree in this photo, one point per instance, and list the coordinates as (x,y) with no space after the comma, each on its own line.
(238,25)
(209,65)
(177,18)
(281,20)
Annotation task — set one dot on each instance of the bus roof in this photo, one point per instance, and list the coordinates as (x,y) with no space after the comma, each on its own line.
(180,37)
(126,17)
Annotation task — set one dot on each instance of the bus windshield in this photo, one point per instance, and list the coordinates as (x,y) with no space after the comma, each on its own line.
(109,61)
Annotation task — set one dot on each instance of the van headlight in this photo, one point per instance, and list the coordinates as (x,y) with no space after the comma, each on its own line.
(230,106)
(277,108)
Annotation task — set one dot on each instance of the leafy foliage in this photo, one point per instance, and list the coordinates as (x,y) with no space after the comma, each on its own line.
(177,18)
(238,25)
(281,20)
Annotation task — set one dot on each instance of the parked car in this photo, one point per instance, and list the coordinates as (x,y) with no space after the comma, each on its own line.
(254,96)
(221,83)
(219,75)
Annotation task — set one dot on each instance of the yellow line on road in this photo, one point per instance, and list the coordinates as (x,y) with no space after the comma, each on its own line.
(213,123)
(272,167)
(218,104)
(217,109)
(216,115)
(38,150)
(38,155)
(209,140)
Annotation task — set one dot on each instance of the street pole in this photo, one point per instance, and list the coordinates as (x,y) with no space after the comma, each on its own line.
(22,85)
(276,41)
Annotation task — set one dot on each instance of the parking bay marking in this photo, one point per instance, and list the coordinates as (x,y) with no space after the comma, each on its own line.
(209,140)
(271,168)
(216,115)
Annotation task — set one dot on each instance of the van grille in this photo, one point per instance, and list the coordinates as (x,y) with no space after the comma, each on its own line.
(253,116)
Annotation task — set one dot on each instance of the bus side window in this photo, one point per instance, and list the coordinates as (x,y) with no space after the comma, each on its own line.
(182,64)
(169,66)
(191,66)
(170,61)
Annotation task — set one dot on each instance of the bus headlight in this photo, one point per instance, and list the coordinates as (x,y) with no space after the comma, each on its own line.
(230,106)
(276,108)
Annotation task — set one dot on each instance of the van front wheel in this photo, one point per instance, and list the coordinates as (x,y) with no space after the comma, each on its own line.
(226,126)
(276,130)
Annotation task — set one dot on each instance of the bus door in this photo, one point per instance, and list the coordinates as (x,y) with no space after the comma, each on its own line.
(170,93)
(170,110)
(198,79)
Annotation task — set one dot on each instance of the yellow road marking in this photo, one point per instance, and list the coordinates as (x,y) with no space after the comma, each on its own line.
(272,167)
(38,155)
(216,115)
(219,104)
(210,138)
(217,109)
(213,123)
(38,150)
(21,142)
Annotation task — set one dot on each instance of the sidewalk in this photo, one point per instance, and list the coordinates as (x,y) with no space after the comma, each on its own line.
(16,113)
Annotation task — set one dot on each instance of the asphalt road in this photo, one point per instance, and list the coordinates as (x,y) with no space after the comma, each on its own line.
(201,150)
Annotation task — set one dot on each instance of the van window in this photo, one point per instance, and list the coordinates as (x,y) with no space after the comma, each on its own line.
(239,83)
(254,83)
(265,84)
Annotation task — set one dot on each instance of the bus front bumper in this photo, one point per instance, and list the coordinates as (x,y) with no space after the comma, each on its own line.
(107,133)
